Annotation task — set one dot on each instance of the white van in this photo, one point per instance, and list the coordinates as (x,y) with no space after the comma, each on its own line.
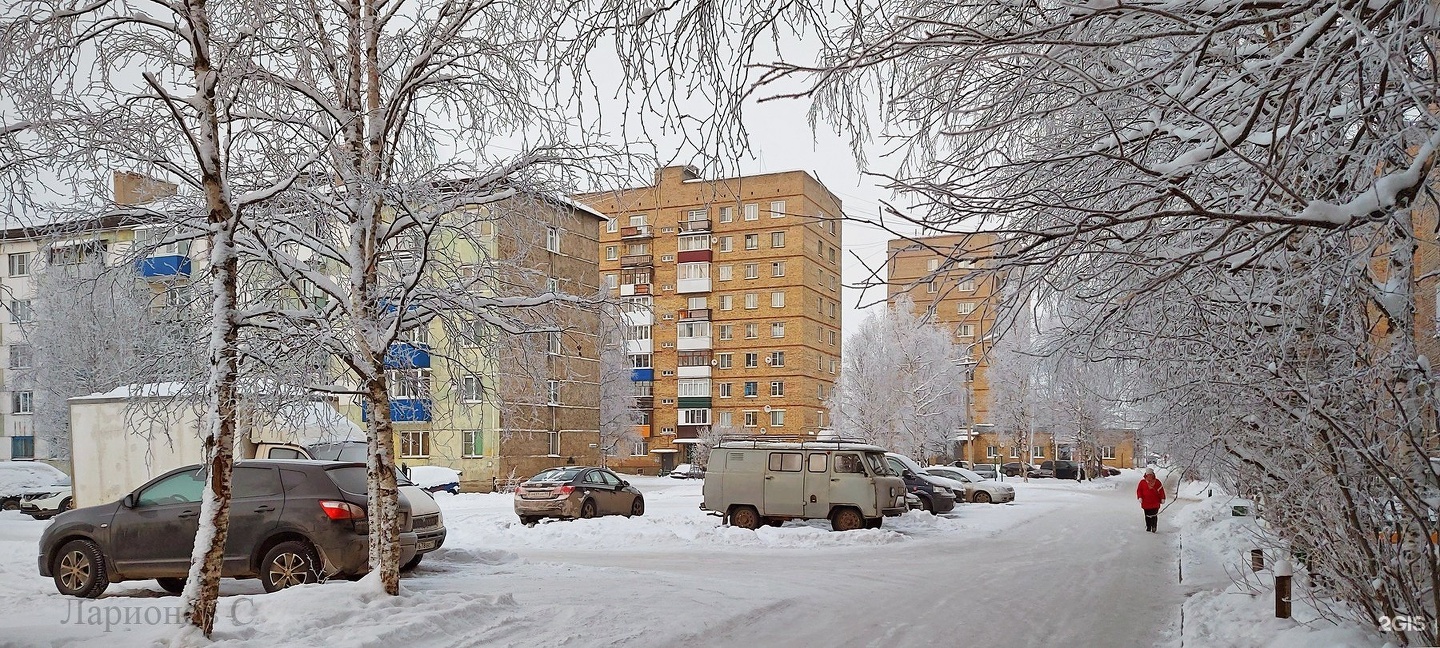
(767,481)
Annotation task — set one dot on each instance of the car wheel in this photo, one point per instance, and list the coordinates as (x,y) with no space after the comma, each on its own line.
(79,570)
(529,520)
(981,497)
(10,505)
(287,564)
(414,562)
(588,509)
(66,505)
(847,519)
(172,585)
(637,507)
(927,505)
(745,517)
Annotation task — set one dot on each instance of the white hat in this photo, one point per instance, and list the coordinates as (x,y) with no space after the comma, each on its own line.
(1149,471)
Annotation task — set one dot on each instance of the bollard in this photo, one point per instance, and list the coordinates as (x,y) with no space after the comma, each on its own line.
(1257,560)
(1283,573)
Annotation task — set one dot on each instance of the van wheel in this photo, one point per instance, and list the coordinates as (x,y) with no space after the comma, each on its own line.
(80,570)
(289,563)
(414,562)
(774,522)
(875,523)
(981,497)
(745,517)
(847,519)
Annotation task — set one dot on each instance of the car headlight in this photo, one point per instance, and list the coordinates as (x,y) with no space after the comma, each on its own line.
(944,491)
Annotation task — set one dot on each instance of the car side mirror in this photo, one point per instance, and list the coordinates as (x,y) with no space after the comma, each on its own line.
(908,474)
(129,501)
(624,483)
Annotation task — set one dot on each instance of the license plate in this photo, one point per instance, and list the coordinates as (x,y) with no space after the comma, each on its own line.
(426,545)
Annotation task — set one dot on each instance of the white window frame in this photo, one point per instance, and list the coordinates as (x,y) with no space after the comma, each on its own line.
(777,299)
(777,388)
(552,392)
(694,416)
(725,360)
(612,225)
(752,211)
(554,443)
(727,214)
(724,272)
(777,358)
(777,418)
(467,443)
(777,209)
(777,329)
(612,252)
(752,301)
(727,302)
(552,239)
(472,389)
(752,241)
(777,268)
(22,402)
(777,239)
(21,259)
(411,438)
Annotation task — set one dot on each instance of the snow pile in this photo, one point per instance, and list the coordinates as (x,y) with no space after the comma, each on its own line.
(1235,608)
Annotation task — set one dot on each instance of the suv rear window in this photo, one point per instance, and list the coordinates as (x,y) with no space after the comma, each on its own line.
(556,475)
(350,479)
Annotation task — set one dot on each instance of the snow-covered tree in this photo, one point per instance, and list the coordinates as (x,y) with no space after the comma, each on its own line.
(902,385)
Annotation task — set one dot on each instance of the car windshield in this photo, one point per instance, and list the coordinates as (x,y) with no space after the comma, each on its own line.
(339,451)
(969,474)
(877,464)
(556,475)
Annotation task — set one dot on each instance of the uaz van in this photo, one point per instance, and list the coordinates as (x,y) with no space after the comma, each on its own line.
(767,481)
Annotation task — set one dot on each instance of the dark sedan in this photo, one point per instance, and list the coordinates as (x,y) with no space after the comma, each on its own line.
(573,492)
(291,522)
(1016,469)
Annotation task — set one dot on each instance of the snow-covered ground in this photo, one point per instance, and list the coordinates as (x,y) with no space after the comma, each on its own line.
(1066,562)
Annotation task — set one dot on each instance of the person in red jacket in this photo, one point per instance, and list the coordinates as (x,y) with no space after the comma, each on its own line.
(1151,494)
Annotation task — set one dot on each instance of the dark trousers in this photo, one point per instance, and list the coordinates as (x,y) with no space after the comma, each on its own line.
(1152,519)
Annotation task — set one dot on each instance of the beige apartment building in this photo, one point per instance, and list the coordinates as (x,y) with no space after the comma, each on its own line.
(733,288)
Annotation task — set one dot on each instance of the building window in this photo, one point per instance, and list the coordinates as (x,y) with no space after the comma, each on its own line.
(22,402)
(1015,452)
(777,299)
(694,417)
(639,449)
(415,443)
(968,285)
(752,418)
(640,361)
(554,392)
(637,220)
(697,215)
(693,271)
(612,252)
(554,443)
(1107,452)
(554,343)
(777,268)
(752,331)
(552,285)
(752,212)
(724,419)
(408,383)
(777,239)
(612,225)
(472,443)
(22,447)
(1037,452)
(777,418)
(723,272)
(991,452)
(777,359)
(724,389)
(931,265)
(752,388)
(693,388)
(777,209)
(692,243)
(727,302)
(692,330)
(724,360)
(727,243)
(752,300)
(752,241)
(644,388)
(777,329)
(966,331)
(932,287)
(752,271)
(612,281)
(726,331)
(22,356)
(777,388)
(552,239)
(19,264)
(752,360)
(727,214)
(965,308)
(20,311)
(471,389)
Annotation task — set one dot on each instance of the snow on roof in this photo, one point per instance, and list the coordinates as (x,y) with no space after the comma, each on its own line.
(579,206)
(802,445)
(150,390)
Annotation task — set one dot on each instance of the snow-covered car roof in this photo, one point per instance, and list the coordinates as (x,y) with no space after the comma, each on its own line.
(428,476)
(24,476)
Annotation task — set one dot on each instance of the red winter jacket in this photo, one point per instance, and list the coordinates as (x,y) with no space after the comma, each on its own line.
(1150,496)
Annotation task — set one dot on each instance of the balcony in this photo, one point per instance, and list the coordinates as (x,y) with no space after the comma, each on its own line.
(637,260)
(691,227)
(693,256)
(692,285)
(693,343)
(643,431)
(630,290)
(693,402)
(635,232)
(639,317)
(642,375)
(407,355)
(403,410)
(693,372)
(157,267)
(645,403)
(633,347)
(695,314)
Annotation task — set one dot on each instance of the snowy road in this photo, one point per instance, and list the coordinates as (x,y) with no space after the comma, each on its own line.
(1066,563)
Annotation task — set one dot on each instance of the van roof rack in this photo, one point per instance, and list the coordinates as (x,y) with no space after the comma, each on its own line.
(755,439)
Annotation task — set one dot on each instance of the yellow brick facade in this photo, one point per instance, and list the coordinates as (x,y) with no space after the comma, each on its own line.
(754,262)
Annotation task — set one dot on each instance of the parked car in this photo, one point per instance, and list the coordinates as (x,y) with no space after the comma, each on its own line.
(571,492)
(687,471)
(21,478)
(291,522)
(913,503)
(1063,469)
(429,521)
(1041,473)
(48,503)
(1016,469)
(1112,472)
(435,479)
(936,493)
(976,488)
(960,464)
(750,482)
(988,471)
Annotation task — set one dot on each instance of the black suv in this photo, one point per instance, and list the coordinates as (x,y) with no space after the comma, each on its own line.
(1064,469)
(291,522)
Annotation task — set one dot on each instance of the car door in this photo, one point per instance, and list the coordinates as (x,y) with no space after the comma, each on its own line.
(817,485)
(596,488)
(155,537)
(620,498)
(255,507)
(849,484)
(785,484)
